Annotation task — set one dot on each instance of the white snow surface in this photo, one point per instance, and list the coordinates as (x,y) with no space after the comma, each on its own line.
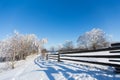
(33,68)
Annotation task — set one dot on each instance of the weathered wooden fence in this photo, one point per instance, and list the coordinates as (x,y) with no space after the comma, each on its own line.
(107,56)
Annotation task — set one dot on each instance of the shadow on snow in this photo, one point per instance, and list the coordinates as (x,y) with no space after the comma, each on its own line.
(98,74)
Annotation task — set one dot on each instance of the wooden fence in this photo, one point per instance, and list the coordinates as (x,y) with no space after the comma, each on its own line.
(107,56)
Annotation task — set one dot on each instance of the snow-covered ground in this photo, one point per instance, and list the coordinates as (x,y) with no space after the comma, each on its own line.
(33,68)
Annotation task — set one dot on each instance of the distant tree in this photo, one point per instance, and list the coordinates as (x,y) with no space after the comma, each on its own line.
(68,45)
(59,47)
(83,41)
(94,39)
(52,48)
(43,53)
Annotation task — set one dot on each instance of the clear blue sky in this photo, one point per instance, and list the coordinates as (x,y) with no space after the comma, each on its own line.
(59,20)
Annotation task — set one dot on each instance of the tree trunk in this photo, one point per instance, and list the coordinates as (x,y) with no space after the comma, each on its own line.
(94,46)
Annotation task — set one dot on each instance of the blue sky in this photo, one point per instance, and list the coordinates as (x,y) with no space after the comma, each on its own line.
(59,20)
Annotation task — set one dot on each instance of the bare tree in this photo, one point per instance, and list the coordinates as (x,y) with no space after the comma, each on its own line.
(68,45)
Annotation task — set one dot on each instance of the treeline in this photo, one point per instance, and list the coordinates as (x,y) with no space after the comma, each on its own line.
(91,40)
(19,46)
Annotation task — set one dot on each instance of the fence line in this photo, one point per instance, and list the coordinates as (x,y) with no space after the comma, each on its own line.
(113,56)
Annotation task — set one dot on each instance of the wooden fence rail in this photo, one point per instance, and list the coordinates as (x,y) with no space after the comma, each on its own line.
(111,54)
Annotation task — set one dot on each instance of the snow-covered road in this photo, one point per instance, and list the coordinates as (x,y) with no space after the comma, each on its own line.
(36,69)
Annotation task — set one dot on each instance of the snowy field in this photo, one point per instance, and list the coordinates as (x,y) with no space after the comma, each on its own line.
(35,69)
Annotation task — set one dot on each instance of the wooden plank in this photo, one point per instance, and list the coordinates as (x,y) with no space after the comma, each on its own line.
(52,51)
(88,51)
(114,60)
(114,51)
(115,44)
(93,62)
(52,54)
(58,57)
(94,56)
(53,58)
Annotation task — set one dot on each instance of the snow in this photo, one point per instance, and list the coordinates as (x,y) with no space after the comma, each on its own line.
(33,68)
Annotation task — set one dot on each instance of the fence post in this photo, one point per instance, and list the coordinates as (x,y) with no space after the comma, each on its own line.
(114,45)
(47,57)
(58,57)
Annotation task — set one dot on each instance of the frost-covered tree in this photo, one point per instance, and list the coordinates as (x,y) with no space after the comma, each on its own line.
(4,47)
(19,46)
(83,41)
(96,38)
